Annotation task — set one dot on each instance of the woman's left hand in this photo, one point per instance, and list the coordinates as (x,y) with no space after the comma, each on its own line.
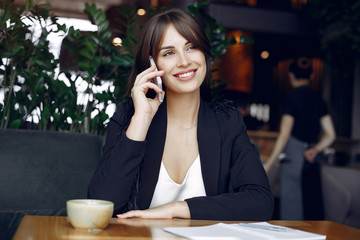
(169,210)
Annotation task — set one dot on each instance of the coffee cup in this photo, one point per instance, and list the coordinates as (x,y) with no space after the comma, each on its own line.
(89,213)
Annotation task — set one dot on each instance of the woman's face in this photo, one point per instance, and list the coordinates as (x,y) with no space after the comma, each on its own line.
(183,63)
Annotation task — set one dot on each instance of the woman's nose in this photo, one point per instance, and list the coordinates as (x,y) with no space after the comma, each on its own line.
(183,60)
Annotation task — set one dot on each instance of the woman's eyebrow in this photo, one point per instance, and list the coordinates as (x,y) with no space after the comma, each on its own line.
(166,47)
(170,47)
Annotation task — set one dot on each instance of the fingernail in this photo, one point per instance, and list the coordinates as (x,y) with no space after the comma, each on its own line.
(119,215)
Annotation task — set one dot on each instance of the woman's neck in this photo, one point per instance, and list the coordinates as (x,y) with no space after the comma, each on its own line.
(183,108)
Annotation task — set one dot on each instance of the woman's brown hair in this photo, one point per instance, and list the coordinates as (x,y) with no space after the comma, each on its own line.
(151,35)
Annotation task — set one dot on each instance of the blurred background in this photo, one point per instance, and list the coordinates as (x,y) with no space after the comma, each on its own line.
(266,35)
(64,65)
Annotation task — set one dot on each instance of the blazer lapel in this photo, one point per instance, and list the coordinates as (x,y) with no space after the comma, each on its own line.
(151,165)
(209,148)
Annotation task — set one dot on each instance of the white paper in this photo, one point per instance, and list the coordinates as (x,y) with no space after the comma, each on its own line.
(252,231)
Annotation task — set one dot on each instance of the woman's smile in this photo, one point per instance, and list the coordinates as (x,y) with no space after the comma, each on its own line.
(183,62)
(185,75)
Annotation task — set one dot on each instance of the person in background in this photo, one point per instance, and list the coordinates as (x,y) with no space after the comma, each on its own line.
(184,157)
(306,129)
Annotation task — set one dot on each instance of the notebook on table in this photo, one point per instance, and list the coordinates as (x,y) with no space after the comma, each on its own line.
(243,231)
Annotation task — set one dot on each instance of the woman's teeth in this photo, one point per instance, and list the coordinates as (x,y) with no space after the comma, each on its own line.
(186,74)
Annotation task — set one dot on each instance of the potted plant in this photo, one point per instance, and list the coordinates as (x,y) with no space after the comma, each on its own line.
(53,163)
(33,92)
(36,95)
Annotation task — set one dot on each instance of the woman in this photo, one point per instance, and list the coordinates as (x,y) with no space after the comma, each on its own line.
(182,157)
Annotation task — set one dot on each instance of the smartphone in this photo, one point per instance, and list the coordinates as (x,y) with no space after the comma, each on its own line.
(157,80)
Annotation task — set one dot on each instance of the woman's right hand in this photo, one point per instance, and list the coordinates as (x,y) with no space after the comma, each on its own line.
(145,108)
(142,84)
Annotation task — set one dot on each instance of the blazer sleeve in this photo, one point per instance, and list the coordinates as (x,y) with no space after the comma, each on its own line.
(117,170)
(249,196)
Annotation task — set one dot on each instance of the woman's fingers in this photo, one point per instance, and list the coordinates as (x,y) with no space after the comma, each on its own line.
(132,214)
(142,89)
(143,73)
(169,210)
(147,75)
(143,83)
(149,213)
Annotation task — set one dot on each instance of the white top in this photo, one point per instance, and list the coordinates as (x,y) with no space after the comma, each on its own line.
(167,190)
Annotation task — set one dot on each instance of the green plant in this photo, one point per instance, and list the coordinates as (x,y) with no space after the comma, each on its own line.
(37,94)
(97,62)
(34,93)
(337,24)
(27,67)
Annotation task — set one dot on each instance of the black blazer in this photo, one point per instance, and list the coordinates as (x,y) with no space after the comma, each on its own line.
(236,184)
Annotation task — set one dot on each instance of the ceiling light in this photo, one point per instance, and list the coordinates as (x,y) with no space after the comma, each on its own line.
(141,12)
(264,54)
(117,42)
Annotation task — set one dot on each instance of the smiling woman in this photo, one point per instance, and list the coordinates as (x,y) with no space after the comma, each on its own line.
(195,152)
(184,64)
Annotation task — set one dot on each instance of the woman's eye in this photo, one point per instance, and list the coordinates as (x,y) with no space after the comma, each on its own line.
(168,53)
(191,47)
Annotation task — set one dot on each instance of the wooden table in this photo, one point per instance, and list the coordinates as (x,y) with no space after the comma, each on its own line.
(51,227)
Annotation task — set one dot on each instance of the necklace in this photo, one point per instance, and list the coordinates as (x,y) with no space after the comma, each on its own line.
(184,128)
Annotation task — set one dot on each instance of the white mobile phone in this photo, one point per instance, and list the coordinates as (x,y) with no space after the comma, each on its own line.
(157,80)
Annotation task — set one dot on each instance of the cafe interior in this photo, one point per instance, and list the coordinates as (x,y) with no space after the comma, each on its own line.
(253,73)
(268,35)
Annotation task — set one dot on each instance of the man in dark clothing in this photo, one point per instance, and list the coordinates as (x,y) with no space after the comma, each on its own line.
(305,117)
